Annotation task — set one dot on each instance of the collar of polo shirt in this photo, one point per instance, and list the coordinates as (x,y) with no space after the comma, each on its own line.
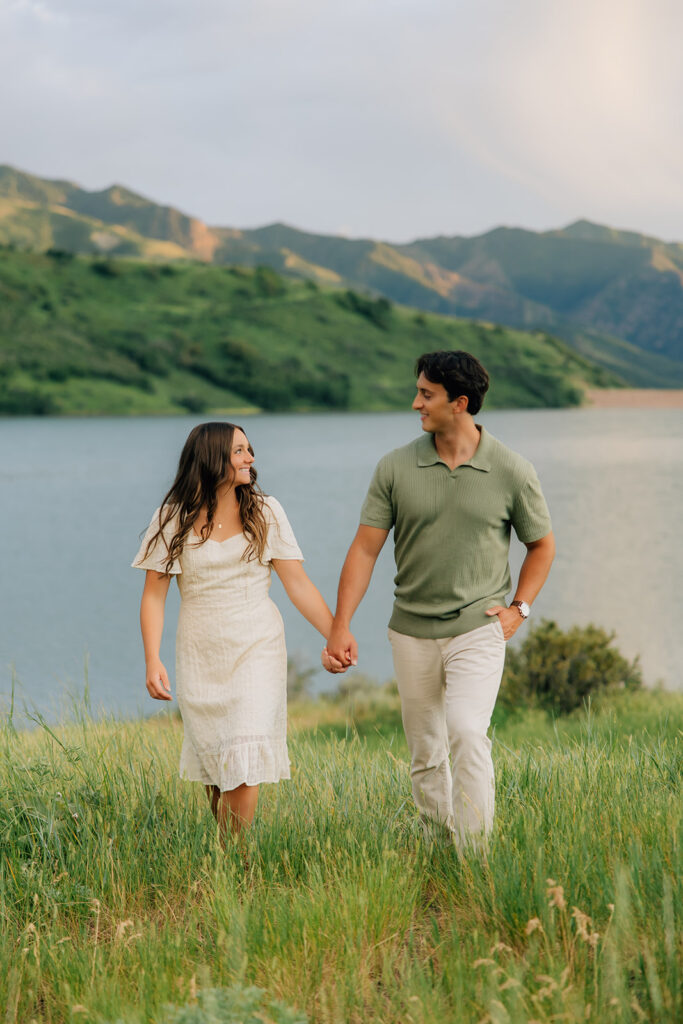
(427,454)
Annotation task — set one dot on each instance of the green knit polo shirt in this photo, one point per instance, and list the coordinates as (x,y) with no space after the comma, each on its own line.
(452,531)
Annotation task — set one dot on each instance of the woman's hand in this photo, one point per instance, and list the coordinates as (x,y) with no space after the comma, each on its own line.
(330,663)
(158,685)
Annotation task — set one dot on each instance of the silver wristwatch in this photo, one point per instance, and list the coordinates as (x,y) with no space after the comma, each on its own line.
(522,607)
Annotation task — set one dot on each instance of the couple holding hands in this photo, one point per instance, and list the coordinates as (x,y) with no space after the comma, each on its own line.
(452,497)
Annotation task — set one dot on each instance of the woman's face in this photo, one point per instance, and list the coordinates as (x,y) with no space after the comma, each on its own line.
(241,458)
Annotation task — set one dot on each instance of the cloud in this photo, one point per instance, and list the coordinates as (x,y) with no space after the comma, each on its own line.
(36,10)
(579,99)
(396,118)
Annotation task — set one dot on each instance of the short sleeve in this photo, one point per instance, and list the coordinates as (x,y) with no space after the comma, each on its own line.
(530,516)
(158,556)
(378,509)
(281,542)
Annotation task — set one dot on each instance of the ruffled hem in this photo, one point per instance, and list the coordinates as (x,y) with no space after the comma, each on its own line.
(250,763)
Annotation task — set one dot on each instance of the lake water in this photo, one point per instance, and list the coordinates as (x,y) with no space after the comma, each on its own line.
(75,495)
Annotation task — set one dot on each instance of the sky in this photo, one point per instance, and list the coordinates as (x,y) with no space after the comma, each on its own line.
(392,119)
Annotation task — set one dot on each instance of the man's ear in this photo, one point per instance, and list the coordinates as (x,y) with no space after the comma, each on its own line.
(460,403)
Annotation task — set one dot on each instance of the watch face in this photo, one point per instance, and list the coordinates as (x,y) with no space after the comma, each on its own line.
(524,609)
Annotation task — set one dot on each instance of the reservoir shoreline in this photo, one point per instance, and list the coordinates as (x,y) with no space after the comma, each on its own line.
(634,398)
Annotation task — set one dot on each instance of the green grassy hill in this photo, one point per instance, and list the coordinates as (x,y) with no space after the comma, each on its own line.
(616,296)
(84,335)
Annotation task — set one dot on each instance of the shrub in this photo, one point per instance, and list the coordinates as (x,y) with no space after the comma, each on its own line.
(21,401)
(558,670)
(193,403)
(58,374)
(105,268)
(268,282)
(154,357)
(377,311)
(274,386)
(59,255)
(145,384)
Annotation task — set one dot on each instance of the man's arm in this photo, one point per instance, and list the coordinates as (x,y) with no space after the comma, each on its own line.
(353,582)
(532,576)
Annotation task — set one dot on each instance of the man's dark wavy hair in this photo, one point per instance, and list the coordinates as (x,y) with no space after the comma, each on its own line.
(459,372)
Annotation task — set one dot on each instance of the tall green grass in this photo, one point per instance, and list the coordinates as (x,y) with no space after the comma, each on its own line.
(118,902)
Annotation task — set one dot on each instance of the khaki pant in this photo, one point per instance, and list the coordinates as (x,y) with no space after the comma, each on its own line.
(448,689)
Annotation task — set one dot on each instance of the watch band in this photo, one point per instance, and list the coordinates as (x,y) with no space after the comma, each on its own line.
(522,607)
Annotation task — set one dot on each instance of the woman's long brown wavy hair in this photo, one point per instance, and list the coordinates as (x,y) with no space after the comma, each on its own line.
(204,465)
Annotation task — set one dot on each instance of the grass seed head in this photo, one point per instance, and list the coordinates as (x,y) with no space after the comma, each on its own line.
(556,894)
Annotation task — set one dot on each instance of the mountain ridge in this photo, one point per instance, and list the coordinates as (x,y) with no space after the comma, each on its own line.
(592,285)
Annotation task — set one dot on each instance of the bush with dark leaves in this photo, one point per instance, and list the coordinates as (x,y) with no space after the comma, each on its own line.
(559,670)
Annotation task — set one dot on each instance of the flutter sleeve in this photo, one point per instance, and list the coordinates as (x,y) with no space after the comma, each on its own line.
(158,555)
(281,542)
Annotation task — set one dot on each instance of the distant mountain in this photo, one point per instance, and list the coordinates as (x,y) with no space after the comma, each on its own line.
(615,296)
(40,214)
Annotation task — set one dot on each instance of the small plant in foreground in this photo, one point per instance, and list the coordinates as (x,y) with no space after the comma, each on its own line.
(235,1005)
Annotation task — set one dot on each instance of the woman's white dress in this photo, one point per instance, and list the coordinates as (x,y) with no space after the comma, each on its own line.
(231,661)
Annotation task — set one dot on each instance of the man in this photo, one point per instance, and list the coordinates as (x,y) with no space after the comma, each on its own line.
(452,497)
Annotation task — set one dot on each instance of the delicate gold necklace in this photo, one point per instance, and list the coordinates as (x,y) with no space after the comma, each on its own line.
(219,525)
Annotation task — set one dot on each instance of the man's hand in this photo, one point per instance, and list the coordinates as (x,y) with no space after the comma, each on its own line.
(341,644)
(510,619)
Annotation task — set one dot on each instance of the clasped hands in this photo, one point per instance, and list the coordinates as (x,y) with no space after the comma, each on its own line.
(340,652)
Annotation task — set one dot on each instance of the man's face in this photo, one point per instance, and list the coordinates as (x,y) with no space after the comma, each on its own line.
(437,413)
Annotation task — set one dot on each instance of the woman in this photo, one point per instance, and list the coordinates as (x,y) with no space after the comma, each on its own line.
(219,535)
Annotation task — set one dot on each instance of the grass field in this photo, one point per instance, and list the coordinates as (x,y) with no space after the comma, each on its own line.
(118,904)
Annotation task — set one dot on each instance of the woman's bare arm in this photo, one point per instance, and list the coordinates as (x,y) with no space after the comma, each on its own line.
(303,594)
(152,608)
